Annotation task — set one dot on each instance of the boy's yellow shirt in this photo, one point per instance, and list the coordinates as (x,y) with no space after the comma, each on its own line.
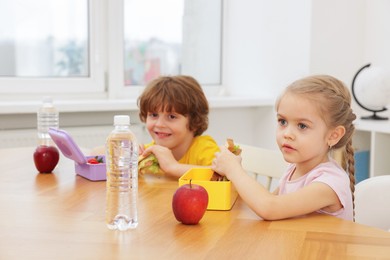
(201,152)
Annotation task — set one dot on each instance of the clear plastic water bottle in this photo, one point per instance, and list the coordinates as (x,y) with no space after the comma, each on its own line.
(122,176)
(47,116)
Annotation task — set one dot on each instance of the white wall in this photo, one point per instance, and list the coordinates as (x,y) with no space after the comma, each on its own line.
(337,42)
(268,44)
(377,33)
(251,125)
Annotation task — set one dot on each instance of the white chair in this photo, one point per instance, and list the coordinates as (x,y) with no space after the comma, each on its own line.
(263,162)
(372,205)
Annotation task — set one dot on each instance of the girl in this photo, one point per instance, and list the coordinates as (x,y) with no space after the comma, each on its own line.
(175,111)
(314,117)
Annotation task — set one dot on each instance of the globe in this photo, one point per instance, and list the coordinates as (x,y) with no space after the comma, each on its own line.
(371,90)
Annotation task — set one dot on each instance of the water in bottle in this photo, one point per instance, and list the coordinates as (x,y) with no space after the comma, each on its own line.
(47,116)
(122,176)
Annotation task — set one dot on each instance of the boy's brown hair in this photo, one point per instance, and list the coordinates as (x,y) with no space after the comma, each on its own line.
(180,94)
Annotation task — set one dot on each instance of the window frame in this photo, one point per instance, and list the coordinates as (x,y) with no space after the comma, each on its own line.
(106,81)
(117,88)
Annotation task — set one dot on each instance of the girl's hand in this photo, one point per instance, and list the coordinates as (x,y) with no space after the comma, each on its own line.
(226,163)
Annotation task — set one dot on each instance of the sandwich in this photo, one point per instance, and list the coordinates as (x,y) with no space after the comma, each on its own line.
(235,149)
(149,165)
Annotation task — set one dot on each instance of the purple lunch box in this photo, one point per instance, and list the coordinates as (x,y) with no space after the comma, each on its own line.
(93,172)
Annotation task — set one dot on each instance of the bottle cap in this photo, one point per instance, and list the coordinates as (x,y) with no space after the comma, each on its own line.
(122,120)
(47,99)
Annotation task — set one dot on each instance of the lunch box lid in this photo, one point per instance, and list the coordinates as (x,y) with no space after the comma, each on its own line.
(67,145)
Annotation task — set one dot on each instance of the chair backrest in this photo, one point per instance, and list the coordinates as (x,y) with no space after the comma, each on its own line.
(263,162)
(372,205)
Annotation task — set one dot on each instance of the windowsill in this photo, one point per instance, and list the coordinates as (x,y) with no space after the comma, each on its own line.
(64,106)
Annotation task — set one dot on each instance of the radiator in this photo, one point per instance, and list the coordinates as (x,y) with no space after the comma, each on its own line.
(86,136)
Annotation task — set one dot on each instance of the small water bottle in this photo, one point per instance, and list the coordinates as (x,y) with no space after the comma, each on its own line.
(122,176)
(47,116)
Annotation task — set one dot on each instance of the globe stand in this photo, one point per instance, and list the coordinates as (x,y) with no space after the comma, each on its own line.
(373,116)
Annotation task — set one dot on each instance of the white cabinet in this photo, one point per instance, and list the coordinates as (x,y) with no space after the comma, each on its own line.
(375,137)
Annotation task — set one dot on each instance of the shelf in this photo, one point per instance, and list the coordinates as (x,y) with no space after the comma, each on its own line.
(380,126)
(375,137)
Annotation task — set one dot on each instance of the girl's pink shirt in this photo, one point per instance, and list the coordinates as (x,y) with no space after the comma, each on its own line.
(329,173)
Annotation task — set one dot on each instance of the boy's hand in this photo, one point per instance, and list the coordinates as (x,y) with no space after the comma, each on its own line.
(158,157)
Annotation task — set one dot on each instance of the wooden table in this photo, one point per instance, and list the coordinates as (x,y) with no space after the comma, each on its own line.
(61,216)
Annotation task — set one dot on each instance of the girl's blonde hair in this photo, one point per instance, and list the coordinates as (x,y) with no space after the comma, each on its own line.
(333,101)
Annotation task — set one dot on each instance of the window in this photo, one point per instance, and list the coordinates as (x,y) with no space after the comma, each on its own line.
(105,48)
(185,38)
(47,46)
(44,39)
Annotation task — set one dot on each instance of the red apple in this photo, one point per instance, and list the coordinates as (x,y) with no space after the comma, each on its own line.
(46,158)
(189,203)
